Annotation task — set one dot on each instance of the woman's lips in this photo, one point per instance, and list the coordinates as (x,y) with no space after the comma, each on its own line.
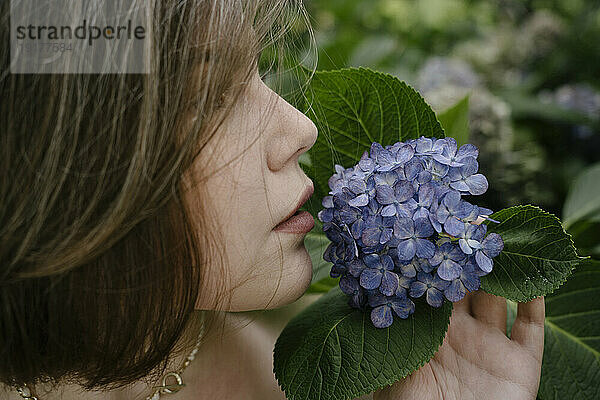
(297,221)
(301,222)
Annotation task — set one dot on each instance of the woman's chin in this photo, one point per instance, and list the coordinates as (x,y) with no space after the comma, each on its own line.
(300,285)
(272,289)
(295,281)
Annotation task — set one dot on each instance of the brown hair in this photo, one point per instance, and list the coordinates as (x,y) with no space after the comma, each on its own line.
(100,266)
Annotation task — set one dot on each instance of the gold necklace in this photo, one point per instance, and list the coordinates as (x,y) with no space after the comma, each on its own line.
(174,377)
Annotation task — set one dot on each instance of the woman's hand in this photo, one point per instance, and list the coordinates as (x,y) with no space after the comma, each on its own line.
(477,360)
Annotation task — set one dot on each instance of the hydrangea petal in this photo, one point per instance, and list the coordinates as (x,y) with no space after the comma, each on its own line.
(404,154)
(424,145)
(425,265)
(408,270)
(386,235)
(389,283)
(434,297)
(406,210)
(387,262)
(403,307)
(357,228)
(359,201)
(382,316)
(464,246)
(470,281)
(407,249)
(426,194)
(325,215)
(435,223)
(385,194)
(389,210)
(372,260)
(370,236)
(448,270)
(454,227)
(484,262)
(357,186)
(423,227)
(404,190)
(456,291)
(424,248)
(370,278)
(460,185)
(417,289)
(348,284)
(412,169)
(327,201)
(470,167)
(477,184)
(356,267)
(492,244)
(442,213)
(467,150)
(404,228)
(421,213)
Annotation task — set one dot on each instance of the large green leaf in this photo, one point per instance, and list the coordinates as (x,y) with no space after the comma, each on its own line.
(355,107)
(538,254)
(583,201)
(332,351)
(571,364)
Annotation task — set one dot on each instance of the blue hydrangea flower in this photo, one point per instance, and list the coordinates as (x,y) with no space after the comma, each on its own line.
(470,238)
(384,306)
(404,283)
(379,274)
(378,230)
(465,179)
(490,247)
(400,229)
(447,259)
(349,285)
(467,281)
(390,160)
(413,235)
(402,202)
(355,267)
(410,269)
(432,286)
(451,210)
(449,154)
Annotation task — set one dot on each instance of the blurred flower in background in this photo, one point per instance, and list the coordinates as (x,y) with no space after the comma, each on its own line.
(579,97)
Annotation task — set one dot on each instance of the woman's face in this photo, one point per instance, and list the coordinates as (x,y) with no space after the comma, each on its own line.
(255,183)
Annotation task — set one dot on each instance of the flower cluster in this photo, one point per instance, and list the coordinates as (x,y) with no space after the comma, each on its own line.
(400,229)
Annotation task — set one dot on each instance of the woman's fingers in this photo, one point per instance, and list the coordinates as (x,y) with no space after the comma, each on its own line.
(489,309)
(528,329)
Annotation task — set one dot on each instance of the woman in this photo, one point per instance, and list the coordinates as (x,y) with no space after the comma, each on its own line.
(139,212)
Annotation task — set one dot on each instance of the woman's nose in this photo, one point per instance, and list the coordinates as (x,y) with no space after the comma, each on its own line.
(294,133)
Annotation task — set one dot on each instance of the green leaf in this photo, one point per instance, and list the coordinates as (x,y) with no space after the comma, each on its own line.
(571,363)
(316,242)
(537,258)
(455,121)
(333,351)
(583,200)
(324,285)
(355,107)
